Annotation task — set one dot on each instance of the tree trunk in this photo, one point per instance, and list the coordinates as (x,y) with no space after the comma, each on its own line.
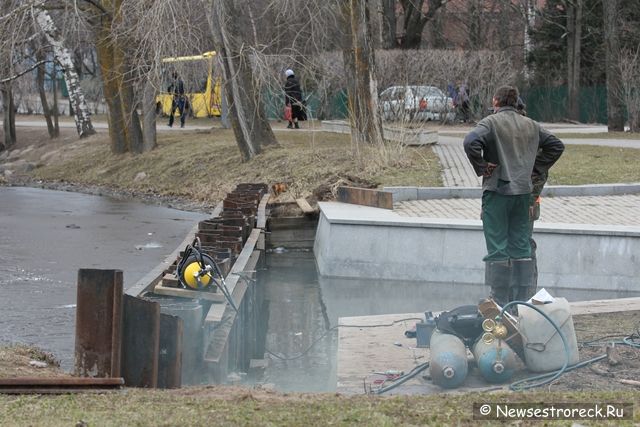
(413,24)
(125,130)
(529,12)
(56,111)
(111,90)
(364,98)
(82,114)
(615,107)
(475,24)
(9,116)
(574,44)
(249,123)
(388,26)
(149,140)
(46,111)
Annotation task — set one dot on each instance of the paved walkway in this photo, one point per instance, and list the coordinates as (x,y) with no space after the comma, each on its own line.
(457,172)
(594,210)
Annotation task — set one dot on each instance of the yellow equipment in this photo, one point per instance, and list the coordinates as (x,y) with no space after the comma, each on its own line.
(198,271)
(204,95)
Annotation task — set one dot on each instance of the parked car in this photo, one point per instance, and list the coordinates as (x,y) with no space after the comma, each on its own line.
(416,103)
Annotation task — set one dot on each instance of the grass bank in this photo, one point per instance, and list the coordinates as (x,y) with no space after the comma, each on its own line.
(204,165)
(242,407)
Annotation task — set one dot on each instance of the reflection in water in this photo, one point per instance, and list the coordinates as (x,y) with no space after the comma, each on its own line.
(296,318)
(302,307)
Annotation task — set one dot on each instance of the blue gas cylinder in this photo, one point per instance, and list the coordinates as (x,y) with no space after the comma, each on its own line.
(496,361)
(448,365)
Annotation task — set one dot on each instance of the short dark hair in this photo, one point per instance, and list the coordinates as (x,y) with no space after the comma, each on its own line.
(507,96)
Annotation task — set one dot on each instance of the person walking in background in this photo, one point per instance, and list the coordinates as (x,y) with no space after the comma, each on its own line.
(179,101)
(462,102)
(509,151)
(293,100)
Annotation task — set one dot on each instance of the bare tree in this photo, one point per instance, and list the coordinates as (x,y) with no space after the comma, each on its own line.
(81,111)
(574,45)
(249,123)
(414,19)
(361,69)
(615,108)
(52,127)
(630,87)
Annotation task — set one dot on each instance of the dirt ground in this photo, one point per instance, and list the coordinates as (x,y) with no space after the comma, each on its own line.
(594,332)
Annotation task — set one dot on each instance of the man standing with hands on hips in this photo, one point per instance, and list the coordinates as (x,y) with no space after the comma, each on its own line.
(509,150)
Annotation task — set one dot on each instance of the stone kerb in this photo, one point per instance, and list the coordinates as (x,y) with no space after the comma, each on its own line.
(401,194)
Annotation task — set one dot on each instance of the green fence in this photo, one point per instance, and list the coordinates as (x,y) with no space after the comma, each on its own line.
(333,107)
(544,103)
(549,104)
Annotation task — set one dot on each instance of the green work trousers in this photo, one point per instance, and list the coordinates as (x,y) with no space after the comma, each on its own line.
(506,225)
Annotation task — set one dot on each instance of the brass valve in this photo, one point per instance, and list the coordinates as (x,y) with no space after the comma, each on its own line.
(500,331)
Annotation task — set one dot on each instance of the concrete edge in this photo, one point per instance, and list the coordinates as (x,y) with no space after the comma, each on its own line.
(401,194)
(341,213)
(578,308)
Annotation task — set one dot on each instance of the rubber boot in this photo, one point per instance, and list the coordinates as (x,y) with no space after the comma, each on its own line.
(523,285)
(497,275)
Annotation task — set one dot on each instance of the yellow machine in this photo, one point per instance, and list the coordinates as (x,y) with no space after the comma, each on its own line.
(203,93)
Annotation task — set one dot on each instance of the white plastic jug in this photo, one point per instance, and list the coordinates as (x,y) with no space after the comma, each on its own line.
(543,348)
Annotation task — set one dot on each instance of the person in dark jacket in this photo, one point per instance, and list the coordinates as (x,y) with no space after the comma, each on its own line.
(509,151)
(179,101)
(293,98)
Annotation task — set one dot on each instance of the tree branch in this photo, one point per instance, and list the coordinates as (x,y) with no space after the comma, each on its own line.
(23,72)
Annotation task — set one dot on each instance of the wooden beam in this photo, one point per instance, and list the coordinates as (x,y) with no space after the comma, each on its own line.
(261,221)
(365,197)
(305,206)
(189,293)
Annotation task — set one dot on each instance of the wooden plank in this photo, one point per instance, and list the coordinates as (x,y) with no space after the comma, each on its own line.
(365,197)
(261,222)
(605,306)
(188,293)
(169,280)
(295,222)
(305,206)
(216,313)
(220,338)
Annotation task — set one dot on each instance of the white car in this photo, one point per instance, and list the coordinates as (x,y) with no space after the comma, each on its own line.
(416,103)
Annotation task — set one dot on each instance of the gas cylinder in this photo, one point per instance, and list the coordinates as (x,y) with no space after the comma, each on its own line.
(448,364)
(495,359)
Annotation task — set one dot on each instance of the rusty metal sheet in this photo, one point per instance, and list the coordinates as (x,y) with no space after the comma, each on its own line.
(170,355)
(140,341)
(98,323)
(33,385)
(366,197)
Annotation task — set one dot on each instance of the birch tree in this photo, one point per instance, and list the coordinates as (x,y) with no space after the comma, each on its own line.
(82,114)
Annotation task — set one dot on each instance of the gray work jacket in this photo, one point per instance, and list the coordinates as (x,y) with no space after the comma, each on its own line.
(517,144)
